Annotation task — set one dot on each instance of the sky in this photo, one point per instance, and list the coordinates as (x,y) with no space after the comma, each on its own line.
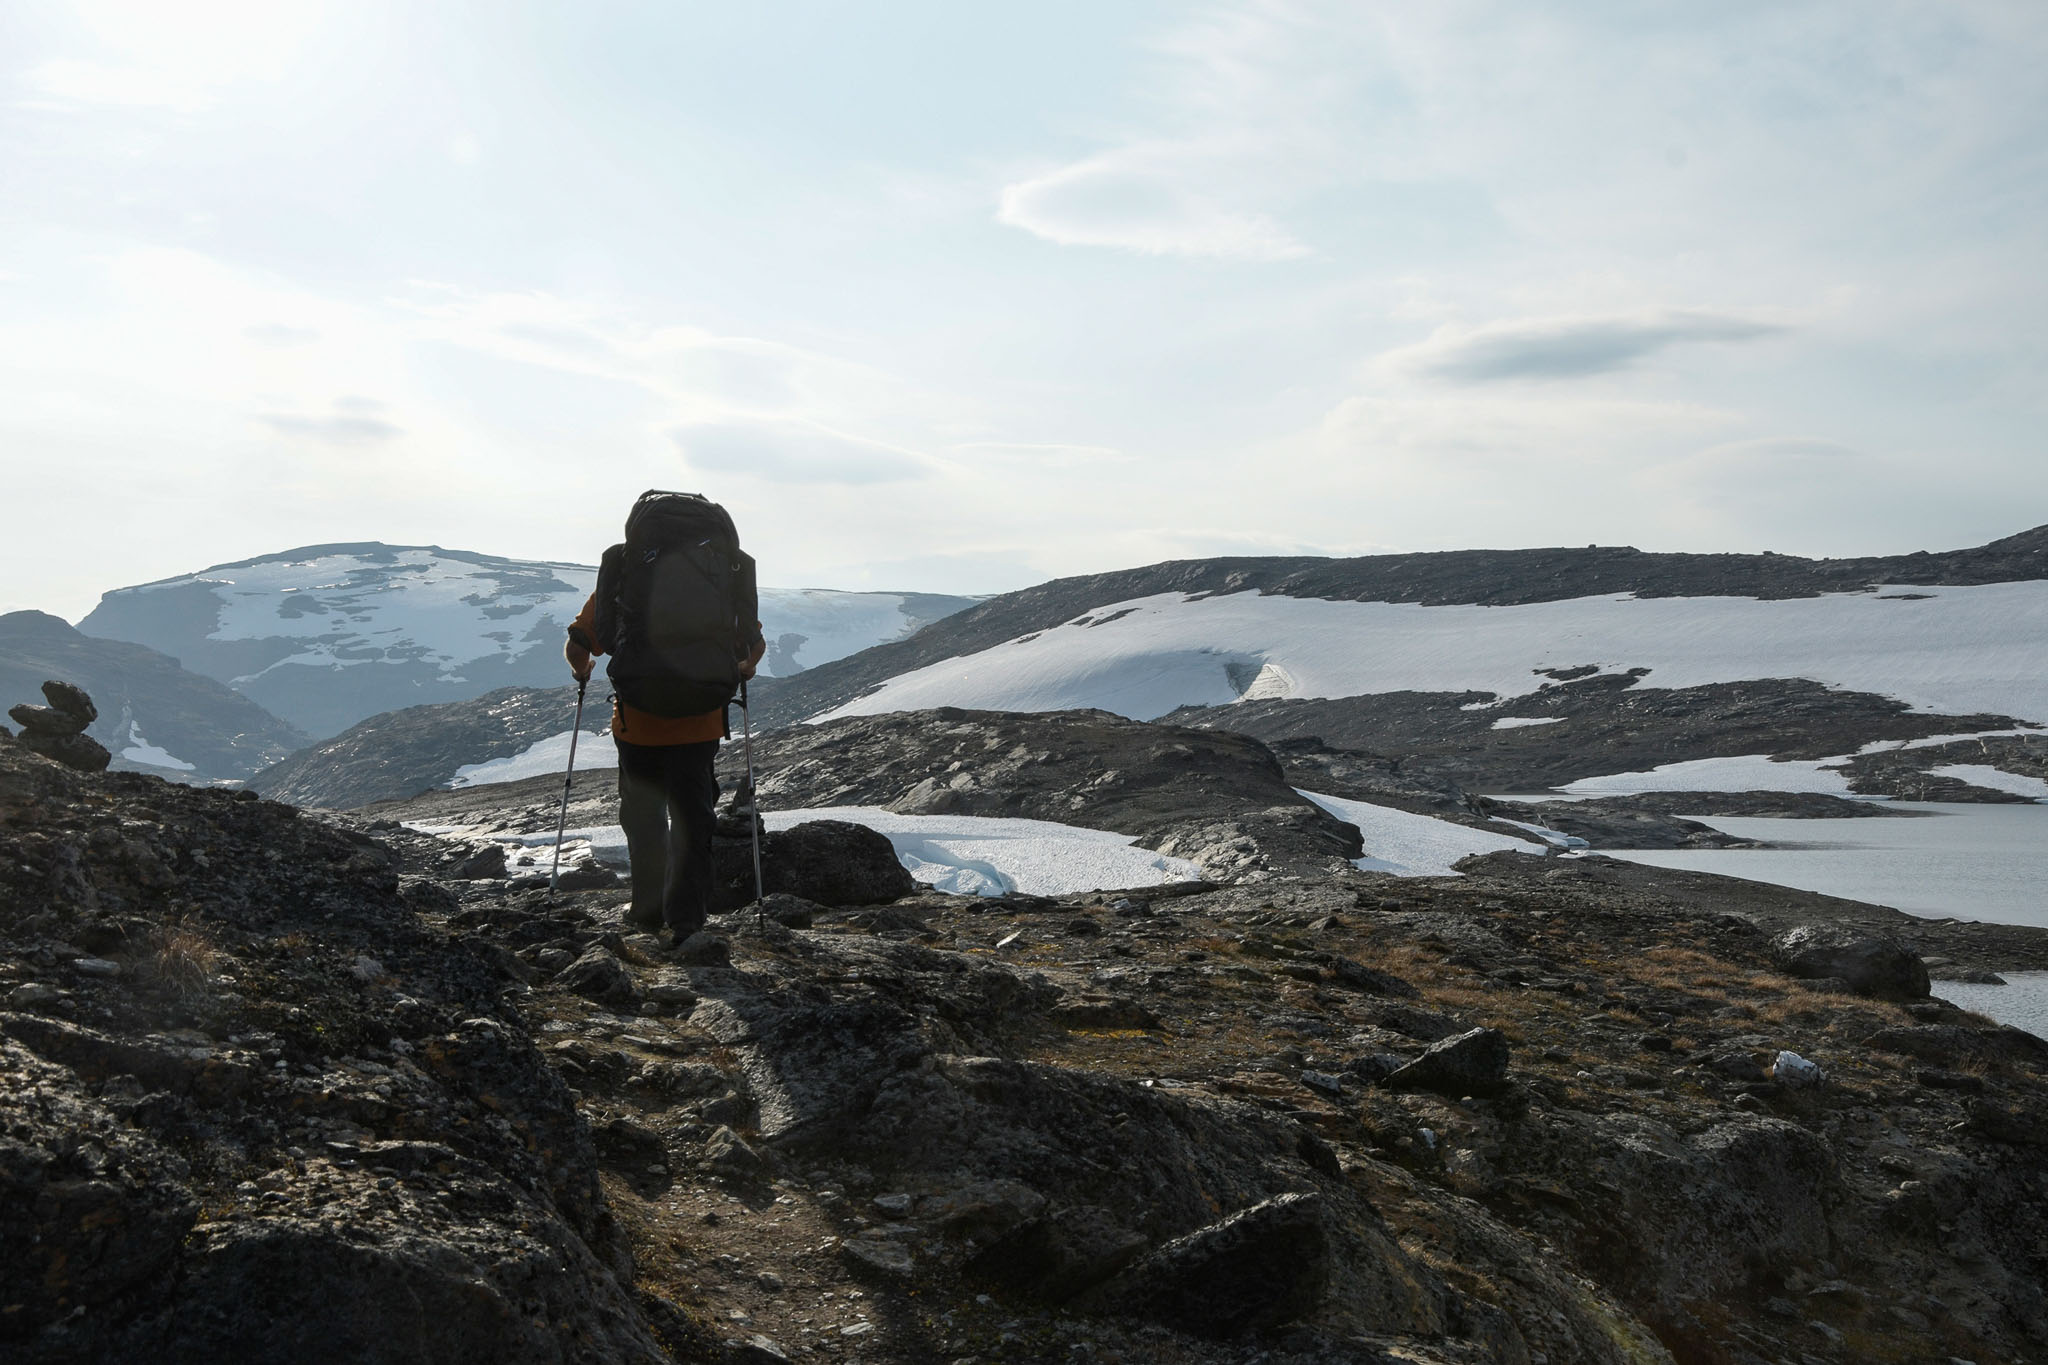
(959,298)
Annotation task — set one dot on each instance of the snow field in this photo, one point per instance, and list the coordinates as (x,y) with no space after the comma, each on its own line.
(1957,650)
(351,609)
(1410,845)
(542,758)
(1746,773)
(965,854)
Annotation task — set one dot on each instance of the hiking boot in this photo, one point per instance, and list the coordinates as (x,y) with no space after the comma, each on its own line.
(647,922)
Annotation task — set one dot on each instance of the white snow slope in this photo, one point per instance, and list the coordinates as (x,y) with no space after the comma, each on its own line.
(330,635)
(965,854)
(1410,845)
(1952,650)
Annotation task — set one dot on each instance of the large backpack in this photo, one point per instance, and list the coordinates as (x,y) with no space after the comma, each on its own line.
(676,606)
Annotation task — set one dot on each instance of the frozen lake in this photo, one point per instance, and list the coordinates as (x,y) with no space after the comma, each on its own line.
(1963,861)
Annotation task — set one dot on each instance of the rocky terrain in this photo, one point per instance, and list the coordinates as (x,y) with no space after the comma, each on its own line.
(420,748)
(1597,724)
(1483,577)
(153,714)
(289,1086)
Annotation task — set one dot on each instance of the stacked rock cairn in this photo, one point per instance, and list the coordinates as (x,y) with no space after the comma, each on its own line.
(58,730)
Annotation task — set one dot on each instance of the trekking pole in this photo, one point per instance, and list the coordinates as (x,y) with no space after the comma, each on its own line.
(753,800)
(562,826)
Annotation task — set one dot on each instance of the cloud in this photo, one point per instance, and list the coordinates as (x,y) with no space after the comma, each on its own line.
(339,430)
(1569,347)
(789,450)
(281,334)
(70,83)
(1138,202)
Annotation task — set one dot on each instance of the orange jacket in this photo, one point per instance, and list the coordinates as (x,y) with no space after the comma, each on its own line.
(631,723)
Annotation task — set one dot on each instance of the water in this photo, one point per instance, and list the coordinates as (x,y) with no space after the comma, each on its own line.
(2022,1001)
(1962,861)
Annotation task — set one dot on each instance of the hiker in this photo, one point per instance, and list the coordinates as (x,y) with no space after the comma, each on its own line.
(676,610)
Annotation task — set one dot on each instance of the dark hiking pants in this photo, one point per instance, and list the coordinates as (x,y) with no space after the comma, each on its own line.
(668,799)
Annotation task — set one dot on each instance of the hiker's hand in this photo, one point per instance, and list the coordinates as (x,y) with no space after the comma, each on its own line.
(582,674)
(746,669)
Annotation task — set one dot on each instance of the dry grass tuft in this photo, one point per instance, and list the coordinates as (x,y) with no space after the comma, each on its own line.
(183,959)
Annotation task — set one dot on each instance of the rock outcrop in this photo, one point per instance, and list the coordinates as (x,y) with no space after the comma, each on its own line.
(58,730)
(252,1109)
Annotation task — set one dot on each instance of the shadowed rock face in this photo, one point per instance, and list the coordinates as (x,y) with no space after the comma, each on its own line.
(1219,800)
(251,1109)
(1867,963)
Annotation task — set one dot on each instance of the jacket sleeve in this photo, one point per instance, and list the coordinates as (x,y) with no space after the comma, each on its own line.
(582,641)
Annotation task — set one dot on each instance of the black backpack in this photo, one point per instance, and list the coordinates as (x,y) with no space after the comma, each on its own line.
(676,606)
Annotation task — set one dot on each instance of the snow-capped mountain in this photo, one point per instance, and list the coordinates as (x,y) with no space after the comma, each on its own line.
(154,716)
(327,635)
(1514,670)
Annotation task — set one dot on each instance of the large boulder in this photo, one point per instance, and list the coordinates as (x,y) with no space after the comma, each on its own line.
(1257,1269)
(1868,962)
(830,862)
(1470,1063)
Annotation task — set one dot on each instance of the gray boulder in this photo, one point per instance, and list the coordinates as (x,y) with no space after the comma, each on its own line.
(830,862)
(1254,1270)
(599,976)
(82,752)
(1472,1063)
(1869,963)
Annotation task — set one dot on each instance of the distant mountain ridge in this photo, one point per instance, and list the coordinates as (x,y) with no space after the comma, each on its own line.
(328,635)
(1445,578)
(154,715)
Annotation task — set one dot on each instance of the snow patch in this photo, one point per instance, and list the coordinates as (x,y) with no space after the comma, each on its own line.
(542,758)
(140,750)
(1746,773)
(1522,722)
(1410,845)
(966,854)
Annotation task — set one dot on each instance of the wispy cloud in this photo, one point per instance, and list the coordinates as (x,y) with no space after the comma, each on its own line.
(788,450)
(1140,200)
(1570,347)
(341,429)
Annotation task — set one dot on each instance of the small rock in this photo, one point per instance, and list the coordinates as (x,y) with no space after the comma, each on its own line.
(71,699)
(873,1253)
(770,1281)
(82,752)
(1938,1078)
(1654,1042)
(755,1350)
(672,995)
(704,949)
(45,721)
(597,975)
(367,969)
(484,863)
(727,1153)
(1471,1063)
(95,966)
(1083,927)
(1796,1073)
(1324,1081)
(893,1205)
(30,994)
(588,875)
